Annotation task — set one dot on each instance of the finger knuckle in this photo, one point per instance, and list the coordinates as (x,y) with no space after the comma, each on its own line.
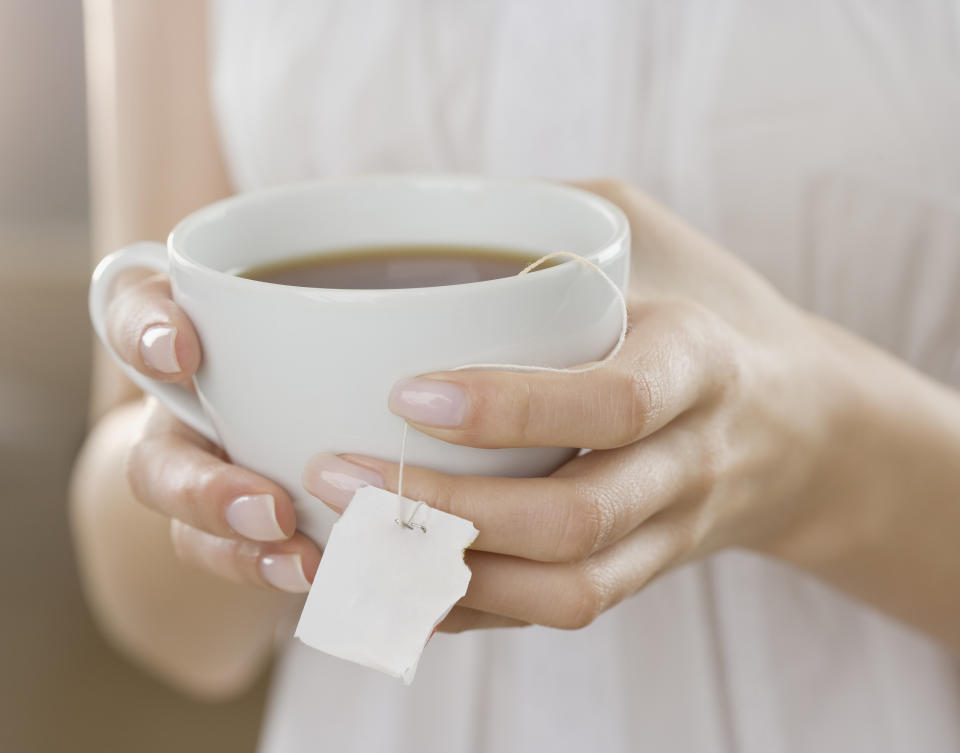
(688,539)
(499,415)
(502,415)
(584,601)
(711,463)
(716,463)
(245,562)
(685,536)
(587,522)
(702,466)
(523,412)
(704,338)
(641,398)
(122,329)
(700,327)
(731,372)
(201,490)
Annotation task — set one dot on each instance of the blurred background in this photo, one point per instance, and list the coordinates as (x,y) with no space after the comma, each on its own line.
(62,688)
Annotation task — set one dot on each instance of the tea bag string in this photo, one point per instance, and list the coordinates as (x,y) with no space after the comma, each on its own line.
(408,521)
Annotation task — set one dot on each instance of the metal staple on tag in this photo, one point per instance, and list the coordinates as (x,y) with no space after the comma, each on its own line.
(408,523)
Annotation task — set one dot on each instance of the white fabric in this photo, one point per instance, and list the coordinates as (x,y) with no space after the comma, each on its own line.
(816,139)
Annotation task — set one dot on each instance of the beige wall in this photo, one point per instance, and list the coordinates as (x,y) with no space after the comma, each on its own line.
(41,116)
(61,687)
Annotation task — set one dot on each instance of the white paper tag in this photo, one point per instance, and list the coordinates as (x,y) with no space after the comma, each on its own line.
(382,588)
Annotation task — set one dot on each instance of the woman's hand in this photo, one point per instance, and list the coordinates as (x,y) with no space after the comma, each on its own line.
(223,518)
(714,426)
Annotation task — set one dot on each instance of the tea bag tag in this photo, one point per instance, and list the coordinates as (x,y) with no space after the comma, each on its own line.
(391,571)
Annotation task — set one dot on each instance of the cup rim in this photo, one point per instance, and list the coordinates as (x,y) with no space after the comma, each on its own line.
(604,251)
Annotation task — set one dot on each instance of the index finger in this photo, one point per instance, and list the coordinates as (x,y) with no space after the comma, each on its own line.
(674,357)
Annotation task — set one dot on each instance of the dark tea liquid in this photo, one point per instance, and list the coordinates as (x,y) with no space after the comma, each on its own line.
(379,267)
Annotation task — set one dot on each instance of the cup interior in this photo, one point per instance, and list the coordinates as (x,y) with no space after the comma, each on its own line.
(279,223)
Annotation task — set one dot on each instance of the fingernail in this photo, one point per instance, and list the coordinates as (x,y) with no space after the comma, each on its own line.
(429,401)
(158,346)
(285,571)
(334,480)
(255,517)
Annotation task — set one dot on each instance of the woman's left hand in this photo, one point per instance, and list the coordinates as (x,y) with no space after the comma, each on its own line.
(714,426)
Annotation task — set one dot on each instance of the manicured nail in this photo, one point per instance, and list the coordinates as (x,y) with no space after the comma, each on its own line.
(429,401)
(255,517)
(158,346)
(285,571)
(334,480)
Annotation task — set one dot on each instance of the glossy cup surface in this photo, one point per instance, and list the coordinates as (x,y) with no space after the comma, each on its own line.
(290,371)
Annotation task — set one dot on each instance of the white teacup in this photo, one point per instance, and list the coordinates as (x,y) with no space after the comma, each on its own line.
(290,371)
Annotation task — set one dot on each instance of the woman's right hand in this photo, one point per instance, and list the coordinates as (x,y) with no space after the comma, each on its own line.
(223,518)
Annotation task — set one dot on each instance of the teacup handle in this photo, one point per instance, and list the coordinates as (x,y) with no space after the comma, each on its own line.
(146,254)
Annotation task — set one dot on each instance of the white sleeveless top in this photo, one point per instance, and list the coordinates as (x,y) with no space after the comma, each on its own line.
(818,140)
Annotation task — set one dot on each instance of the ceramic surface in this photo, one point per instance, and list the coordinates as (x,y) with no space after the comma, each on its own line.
(291,371)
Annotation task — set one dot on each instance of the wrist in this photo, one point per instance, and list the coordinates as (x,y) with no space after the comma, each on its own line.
(853,487)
